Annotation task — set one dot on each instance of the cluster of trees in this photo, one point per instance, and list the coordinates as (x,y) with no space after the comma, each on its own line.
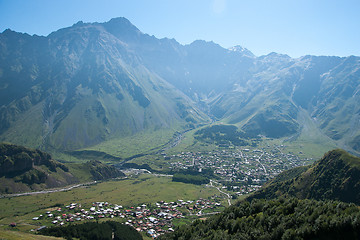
(189,178)
(222,135)
(207,172)
(277,219)
(94,231)
(137,166)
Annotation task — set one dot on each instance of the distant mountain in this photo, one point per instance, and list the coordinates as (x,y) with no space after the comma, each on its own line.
(23,169)
(284,96)
(335,177)
(92,82)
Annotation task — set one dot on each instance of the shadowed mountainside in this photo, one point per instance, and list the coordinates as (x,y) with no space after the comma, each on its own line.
(23,169)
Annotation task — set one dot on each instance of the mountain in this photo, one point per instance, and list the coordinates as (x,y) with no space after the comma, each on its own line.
(23,169)
(82,85)
(94,82)
(336,176)
(282,91)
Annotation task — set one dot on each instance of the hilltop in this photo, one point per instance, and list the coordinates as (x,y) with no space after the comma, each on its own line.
(336,176)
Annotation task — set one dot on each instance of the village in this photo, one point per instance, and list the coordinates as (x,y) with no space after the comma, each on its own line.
(153,219)
(241,170)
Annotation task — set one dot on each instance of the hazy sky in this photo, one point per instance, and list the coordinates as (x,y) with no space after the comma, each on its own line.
(293,27)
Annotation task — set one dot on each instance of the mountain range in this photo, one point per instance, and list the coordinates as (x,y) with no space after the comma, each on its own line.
(93,82)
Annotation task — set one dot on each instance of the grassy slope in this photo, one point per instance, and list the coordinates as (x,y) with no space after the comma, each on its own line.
(311,141)
(14,234)
(142,142)
(24,132)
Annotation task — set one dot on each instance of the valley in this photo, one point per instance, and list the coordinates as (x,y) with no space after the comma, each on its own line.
(151,201)
(234,173)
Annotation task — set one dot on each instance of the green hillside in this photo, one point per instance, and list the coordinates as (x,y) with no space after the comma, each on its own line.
(336,176)
(277,219)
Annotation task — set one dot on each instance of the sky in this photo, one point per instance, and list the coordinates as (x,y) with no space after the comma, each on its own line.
(293,27)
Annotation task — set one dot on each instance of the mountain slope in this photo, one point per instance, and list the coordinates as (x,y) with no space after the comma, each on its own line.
(278,88)
(277,219)
(80,86)
(336,176)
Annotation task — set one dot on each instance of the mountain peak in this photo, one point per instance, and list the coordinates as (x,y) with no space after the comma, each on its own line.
(341,156)
(241,50)
(120,25)
(79,23)
(8,31)
(120,21)
(203,43)
(275,54)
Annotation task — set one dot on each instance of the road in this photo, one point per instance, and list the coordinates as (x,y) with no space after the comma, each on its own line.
(228,195)
(175,141)
(49,190)
(258,160)
(199,214)
(286,156)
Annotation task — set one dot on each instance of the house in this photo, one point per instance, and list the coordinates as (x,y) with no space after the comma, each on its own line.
(13,224)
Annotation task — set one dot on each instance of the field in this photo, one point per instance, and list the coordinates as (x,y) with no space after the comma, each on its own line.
(146,188)
(140,143)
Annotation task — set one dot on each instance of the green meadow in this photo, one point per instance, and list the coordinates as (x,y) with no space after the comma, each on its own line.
(147,189)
